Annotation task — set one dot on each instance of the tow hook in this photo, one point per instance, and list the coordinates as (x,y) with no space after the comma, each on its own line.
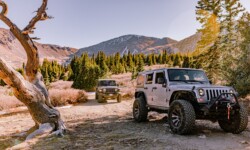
(228,110)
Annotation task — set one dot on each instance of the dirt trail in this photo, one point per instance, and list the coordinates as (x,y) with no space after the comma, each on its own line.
(110,126)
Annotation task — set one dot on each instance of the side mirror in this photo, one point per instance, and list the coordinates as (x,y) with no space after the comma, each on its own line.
(210,81)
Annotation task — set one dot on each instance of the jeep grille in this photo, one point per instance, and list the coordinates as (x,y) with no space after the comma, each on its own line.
(213,93)
(110,90)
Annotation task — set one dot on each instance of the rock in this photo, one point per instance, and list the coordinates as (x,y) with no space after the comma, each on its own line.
(243,142)
(202,136)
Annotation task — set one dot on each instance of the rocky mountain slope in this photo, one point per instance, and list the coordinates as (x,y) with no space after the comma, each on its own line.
(142,44)
(12,51)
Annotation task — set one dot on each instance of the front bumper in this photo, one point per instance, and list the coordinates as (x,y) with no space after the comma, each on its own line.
(221,107)
(109,95)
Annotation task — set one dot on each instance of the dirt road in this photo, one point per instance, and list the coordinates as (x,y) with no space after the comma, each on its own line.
(110,126)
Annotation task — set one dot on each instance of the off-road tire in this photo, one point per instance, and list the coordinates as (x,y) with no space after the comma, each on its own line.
(100,99)
(140,110)
(96,96)
(186,118)
(236,125)
(119,98)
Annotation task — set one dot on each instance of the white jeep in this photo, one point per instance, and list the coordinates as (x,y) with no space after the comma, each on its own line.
(187,95)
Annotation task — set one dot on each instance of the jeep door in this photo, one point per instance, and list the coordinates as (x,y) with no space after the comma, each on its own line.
(148,87)
(160,89)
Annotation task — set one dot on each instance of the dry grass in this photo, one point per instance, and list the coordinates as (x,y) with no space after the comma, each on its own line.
(61,94)
(62,85)
(60,97)
(7,102)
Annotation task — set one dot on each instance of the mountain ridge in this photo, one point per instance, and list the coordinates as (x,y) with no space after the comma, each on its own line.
(142,44)
(12,51)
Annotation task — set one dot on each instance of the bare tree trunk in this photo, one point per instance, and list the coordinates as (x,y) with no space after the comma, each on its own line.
(31,89)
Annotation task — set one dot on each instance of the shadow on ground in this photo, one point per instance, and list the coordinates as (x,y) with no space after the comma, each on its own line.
(121,132)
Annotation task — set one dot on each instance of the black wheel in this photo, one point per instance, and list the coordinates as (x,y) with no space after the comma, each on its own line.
(140,111)
(181,117)
(100,99)
(119,98)
(96,95)
(237,124)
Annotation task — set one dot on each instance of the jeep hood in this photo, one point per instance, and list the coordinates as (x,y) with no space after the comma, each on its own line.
(191,86)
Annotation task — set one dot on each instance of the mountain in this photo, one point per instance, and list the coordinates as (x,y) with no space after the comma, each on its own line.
(12,51)
(188,44)
(142,44)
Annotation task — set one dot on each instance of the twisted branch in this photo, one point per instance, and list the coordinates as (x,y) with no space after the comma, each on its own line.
(22,35)
(41,15)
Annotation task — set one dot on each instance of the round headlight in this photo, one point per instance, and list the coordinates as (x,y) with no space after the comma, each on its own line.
(201,92)
(231,91)
(100,90)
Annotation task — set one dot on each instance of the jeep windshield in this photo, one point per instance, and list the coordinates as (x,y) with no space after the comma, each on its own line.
(187,76)
(107,83)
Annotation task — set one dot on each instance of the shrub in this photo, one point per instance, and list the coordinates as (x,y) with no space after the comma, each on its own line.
(7,102)
(61,93)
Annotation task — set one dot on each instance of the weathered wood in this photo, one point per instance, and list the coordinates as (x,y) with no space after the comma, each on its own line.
(31,90)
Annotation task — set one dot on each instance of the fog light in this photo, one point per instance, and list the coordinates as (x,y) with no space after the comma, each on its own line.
(200,100)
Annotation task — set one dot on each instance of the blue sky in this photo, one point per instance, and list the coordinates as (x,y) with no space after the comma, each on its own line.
(81,23)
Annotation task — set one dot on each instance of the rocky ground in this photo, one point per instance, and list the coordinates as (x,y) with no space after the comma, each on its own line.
(110,126)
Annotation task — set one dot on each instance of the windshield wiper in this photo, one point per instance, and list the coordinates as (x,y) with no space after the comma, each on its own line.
(202,82)
(185,81)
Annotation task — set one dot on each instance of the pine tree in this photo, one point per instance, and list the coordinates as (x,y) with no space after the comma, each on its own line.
(149,60)
(230,36)
(177,60)
(165,58)
(88,74)
(140,66)
(159,59)
(186,62)
(208,53)
(130,63)
(241,74)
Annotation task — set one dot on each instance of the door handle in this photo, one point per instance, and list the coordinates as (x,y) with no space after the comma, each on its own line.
(154,88)
(145,88)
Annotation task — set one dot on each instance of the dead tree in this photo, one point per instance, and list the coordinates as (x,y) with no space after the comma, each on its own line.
(31,89)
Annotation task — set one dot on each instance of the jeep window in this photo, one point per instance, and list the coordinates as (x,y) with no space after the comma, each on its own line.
(140,80)
(187,75)
(149,78)
(159,75)
(107,83)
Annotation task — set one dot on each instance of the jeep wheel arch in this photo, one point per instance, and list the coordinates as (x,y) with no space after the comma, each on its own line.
(184,95)
(138,94)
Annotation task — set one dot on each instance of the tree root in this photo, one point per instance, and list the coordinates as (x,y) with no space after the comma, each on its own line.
(45,128)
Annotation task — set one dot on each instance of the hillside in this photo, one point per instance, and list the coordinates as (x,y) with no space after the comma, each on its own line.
(13,52)
(142,44)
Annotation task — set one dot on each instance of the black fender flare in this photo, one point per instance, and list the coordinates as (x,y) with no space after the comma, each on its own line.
(141,93)
(185,95)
